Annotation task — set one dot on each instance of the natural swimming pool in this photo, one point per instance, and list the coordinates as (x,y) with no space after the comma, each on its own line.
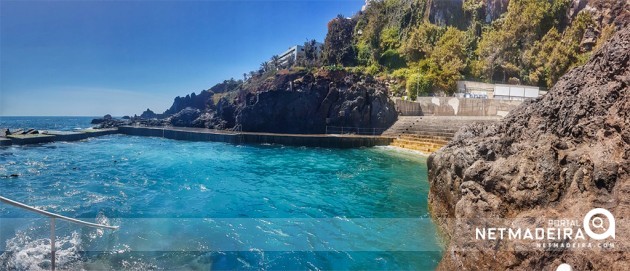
(206,205)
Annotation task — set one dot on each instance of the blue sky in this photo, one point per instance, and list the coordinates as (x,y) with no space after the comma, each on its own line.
(89,58)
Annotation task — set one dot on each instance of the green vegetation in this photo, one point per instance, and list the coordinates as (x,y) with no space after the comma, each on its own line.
(532,42)
(338,47)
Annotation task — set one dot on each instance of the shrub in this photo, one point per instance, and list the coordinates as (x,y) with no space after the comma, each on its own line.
(392,59)
(418,84)
(373,69)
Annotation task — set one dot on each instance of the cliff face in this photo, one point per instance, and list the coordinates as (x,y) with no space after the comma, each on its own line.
(606,12)
(308,104)
(556,157)
(289,102)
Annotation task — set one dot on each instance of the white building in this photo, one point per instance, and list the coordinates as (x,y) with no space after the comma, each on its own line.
(515,92)
(293,53)
(470,89)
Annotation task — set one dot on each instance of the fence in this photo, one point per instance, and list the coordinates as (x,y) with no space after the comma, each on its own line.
(354,130)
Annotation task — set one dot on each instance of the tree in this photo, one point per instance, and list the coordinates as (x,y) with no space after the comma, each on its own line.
(264,67)
(338,47)
(449,56)
(555,53)
(312,51)
(502,44)
(311,57)
(418,84)
(392,60)
(421,41)
(389,38)
(275,62)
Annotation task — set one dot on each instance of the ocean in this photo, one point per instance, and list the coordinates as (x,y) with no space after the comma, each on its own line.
(46,123)
(214,206)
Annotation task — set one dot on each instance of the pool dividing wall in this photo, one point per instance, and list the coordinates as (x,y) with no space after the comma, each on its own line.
(196,134)
(52,136)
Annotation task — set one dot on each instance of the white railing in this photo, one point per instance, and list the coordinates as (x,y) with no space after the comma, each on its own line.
(54,216)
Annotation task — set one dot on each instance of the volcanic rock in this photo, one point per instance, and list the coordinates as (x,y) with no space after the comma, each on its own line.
(148,114)
(307,104)
(186,118)
(556,157)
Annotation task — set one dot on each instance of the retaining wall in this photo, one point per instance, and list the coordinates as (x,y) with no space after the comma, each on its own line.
(453,106)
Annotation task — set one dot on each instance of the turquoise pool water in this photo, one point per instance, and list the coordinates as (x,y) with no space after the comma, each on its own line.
(215,206)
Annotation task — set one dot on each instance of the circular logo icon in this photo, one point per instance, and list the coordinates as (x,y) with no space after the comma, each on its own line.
(590,222)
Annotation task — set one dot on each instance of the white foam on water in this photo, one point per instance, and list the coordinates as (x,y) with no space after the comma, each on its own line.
(25,253)
(98,232)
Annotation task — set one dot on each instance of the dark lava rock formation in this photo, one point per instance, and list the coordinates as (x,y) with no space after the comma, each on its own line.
(148,114)
(186,118)
(308,103)
(288,102)
(108,121)
(556,157)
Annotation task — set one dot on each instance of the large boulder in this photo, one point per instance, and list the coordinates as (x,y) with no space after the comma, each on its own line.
(105,118)
(554,158)
(186,118)
(148,114)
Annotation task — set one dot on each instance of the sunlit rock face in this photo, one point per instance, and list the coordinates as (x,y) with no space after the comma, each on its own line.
(558,156)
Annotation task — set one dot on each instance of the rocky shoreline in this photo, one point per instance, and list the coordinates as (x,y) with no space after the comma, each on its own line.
(299,102)
(553,158)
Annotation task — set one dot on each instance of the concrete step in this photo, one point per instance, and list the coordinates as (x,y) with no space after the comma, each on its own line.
(437,130)
(416,147)
(430,139)
(417,142)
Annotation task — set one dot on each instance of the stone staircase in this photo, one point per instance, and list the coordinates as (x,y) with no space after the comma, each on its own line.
(428,134)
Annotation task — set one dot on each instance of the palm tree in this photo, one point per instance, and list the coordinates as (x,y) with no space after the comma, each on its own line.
(264,66)
(275,60)
(310,52)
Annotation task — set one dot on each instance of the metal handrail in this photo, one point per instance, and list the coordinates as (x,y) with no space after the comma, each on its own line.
(49,214)
(53,216)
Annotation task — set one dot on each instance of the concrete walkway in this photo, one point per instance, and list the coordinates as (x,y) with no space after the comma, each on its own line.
(308,140)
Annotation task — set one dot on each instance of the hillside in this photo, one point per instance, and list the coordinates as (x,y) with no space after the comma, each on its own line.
(427,45)
(413,47)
